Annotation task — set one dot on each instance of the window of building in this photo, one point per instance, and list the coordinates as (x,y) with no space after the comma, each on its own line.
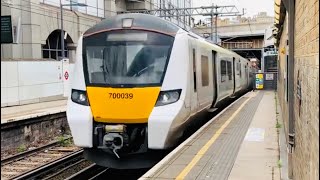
(205,70)
(52,48)
(94,7)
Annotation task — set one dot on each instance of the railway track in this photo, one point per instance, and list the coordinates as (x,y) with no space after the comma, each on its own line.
(39,162)
(91,172)
(97,172)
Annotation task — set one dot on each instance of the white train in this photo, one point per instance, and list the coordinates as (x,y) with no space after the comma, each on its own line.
(139,80)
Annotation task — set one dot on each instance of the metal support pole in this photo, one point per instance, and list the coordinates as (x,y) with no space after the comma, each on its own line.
(291,86)
(211,27)
(211,23)
(216,27)
(62,34)
(184,14)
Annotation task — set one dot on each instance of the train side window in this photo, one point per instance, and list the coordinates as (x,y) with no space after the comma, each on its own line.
(229,70)
(204,70)
(194,70)
(223,68)
(240,70)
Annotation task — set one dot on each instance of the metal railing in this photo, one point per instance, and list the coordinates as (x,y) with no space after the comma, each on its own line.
(237,45)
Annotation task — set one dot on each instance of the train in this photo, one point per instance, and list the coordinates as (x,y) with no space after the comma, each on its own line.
(139,81)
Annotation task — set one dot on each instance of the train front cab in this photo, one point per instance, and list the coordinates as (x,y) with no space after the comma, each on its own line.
(119,105)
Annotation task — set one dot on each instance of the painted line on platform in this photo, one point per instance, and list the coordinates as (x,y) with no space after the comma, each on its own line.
(149,174)
(205,148)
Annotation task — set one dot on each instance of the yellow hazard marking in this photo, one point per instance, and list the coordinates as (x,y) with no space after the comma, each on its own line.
(122,105)
(204,149)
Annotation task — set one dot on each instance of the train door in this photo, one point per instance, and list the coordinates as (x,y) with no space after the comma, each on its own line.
(234,74)
(246,75)
(193,85)
(204,84)
(214,76)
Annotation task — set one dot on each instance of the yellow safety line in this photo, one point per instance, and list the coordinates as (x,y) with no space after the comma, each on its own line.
(204,149)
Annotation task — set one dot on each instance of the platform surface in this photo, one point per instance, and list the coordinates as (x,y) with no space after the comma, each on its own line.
(22,112)
(240,143)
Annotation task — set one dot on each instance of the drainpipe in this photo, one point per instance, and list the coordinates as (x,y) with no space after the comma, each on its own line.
(291,142)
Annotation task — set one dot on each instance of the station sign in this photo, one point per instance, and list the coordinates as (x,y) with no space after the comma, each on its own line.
(259,81)
(66,77)
(6,29)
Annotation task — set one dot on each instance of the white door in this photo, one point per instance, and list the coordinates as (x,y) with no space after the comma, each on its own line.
(194,76)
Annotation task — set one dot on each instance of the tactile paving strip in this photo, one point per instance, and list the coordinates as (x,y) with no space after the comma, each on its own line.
(224,151)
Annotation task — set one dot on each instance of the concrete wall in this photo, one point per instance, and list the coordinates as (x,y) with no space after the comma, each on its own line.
(37,22)
(22,84)
(25,76)
(236,28)
(305,157)
(140,5)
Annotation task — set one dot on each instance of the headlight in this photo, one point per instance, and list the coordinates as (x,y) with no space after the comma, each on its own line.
(168,97)
(79,97)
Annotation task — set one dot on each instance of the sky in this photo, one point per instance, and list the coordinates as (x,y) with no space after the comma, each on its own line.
(252,6)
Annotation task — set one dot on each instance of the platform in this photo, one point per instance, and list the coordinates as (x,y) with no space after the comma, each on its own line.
(21,112)
(240,143)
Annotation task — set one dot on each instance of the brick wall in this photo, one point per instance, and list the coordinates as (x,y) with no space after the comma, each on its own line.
(305,157)
(45,128)
(282,79)
(306,47)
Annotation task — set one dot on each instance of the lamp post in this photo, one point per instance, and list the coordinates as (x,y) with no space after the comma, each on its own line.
(62,33)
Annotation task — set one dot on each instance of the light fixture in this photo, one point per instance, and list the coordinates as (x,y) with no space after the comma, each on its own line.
(127,23)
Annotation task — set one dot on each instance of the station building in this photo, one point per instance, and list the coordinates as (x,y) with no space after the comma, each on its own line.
(31,70)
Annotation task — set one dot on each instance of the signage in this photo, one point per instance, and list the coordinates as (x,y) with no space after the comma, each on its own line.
(269,77)
(259,81)
(66,75)
(6,29)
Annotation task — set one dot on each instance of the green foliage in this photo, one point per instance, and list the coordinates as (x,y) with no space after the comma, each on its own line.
(279,163)
(21,148)
(64,141)
(278,125)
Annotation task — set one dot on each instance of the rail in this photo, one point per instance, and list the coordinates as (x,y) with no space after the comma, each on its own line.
(91,172)
(40,161)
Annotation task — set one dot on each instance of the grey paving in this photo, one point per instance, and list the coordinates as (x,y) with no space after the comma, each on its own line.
(224,153)
(219,159)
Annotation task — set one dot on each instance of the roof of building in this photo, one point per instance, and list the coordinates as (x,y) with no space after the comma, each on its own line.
(242,34)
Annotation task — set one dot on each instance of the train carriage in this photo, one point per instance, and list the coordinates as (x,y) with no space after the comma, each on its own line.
(139,81)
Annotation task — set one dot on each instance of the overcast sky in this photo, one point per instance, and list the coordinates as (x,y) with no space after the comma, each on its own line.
(252,6)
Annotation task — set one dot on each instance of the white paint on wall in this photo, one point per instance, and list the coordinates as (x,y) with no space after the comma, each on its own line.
(30,81)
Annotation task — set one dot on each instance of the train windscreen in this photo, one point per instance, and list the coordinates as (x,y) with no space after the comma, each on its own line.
(126,57)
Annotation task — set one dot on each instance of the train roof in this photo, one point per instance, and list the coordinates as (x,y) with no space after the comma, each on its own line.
(148,22)
(139,21)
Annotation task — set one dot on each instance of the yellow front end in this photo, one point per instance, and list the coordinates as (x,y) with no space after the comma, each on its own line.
(122,105)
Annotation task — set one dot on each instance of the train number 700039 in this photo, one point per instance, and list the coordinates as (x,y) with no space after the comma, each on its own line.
(121,95)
